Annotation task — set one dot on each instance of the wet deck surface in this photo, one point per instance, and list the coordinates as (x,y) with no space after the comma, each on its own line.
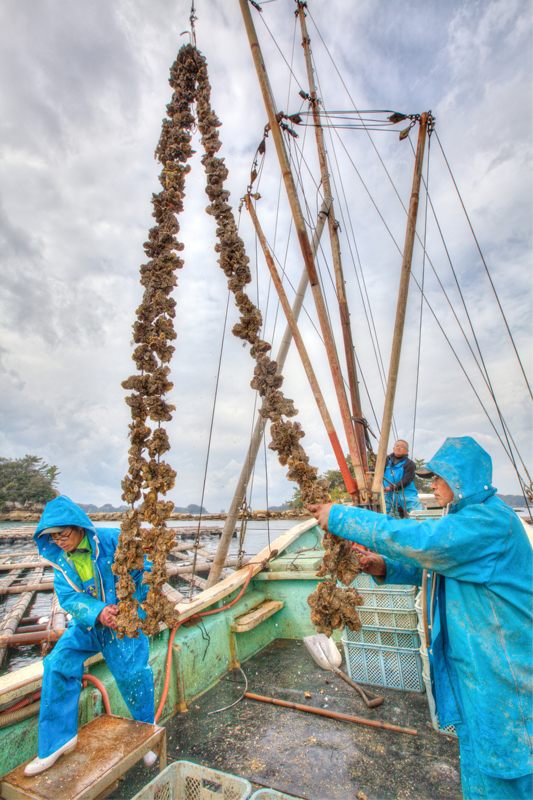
(310,756)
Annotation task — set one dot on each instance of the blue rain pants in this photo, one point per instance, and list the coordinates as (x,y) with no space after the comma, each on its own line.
(127,660)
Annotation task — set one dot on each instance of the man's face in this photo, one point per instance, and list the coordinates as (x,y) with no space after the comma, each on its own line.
(69,538)
(442,491)
(400,448)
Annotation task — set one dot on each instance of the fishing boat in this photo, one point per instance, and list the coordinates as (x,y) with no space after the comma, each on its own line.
(237,691)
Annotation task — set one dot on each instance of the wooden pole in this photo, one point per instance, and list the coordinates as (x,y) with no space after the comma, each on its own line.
(300,346)
(305,246)
(401,306)
(349,350)
(44,586)
(14,616)
(257,435)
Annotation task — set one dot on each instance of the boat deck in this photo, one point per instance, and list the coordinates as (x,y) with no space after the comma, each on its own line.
(310,756)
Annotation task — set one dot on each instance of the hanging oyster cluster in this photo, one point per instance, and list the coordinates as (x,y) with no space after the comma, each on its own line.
(333,606)
(149,478)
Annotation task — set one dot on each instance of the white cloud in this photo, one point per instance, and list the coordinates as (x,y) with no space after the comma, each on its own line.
(84,89)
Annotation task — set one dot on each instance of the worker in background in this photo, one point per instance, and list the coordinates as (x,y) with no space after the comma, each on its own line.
(82,557)
(480,598)
(401,495)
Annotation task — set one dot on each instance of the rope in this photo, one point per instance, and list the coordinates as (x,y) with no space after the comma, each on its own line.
(486,269)
(208,453)
(481,366)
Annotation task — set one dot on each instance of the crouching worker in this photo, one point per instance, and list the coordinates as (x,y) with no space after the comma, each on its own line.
(82,556)
(479,602)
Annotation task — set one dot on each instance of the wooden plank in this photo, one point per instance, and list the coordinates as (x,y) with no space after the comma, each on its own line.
(253,618)
(107,748)
(9,565)
(43,586)
(195,580)
(14,615)
(173,595)
(227,586)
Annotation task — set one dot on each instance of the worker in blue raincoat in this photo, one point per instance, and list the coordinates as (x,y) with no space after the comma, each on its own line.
(401,495)
(82,556)
(481,609)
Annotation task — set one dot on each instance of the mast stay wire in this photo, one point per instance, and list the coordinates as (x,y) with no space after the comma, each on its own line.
(486,267)
(208,453)
(419,344)
(481,366)
(509,454)
(430,262)
(360,281)
(291,71)
(319,272)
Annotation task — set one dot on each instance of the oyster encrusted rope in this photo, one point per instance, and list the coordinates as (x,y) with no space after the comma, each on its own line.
(148,476)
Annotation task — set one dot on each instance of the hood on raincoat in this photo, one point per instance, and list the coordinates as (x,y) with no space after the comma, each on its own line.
(59,512)
(466,468)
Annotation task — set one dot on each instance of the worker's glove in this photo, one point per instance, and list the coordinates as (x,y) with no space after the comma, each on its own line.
(108,616)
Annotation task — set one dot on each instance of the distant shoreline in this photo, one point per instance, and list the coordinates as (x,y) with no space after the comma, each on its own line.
(106,516)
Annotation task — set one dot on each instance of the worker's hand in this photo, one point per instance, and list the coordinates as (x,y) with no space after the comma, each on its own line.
(321,512)
(372,564)
(388,489)
(108,616)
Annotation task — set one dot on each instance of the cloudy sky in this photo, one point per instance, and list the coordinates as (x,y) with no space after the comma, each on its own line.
(84,85)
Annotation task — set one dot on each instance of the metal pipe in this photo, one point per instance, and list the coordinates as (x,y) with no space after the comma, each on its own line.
(401,306)
(322,712)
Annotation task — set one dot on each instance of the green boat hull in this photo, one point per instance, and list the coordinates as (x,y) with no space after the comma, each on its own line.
(201,653)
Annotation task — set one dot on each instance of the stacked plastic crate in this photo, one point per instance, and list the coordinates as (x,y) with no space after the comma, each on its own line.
(386,650)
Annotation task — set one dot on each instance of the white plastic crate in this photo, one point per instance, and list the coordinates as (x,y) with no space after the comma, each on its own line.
(396,598)
(393,668)
(364,581)
(272,794)
(383,638)
(184,780)
(448,730)
(391,618)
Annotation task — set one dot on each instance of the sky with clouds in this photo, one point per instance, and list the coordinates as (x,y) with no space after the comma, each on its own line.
(84,87)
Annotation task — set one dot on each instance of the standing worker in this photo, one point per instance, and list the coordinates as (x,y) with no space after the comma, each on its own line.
(82,556)
(401,495)
(480,599)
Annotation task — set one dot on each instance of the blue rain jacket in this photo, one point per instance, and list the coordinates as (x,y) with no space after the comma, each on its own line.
(407,496)
(482,572)
(68,585)
(126,658)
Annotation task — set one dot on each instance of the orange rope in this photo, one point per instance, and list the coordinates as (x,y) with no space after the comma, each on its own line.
(175,630)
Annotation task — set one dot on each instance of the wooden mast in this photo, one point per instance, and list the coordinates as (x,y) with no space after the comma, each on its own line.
(399,324)
(300,346)
(335,251)
(305,246)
